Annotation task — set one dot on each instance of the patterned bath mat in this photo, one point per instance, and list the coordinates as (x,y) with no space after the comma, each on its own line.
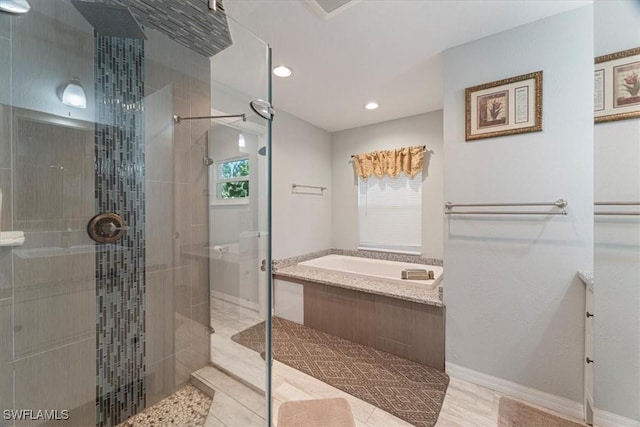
(187,407)
(408,390)
(512,413)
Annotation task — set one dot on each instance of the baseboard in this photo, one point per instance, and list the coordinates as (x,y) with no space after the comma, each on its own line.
(608,419)
(235,300)
(527,394)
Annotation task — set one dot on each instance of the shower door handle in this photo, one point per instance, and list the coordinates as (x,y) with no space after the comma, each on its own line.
(263,265)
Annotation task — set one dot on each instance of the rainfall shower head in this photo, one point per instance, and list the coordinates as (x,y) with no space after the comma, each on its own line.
(110,20)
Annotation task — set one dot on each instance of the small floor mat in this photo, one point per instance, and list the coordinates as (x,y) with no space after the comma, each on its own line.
(186,407)
(512,413)
(406,389)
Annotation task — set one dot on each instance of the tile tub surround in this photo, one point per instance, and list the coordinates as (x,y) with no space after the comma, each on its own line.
(287,268)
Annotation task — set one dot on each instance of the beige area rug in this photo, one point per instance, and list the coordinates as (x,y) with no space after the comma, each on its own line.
(334,412)
(512,413)
(186,407)
(408,390)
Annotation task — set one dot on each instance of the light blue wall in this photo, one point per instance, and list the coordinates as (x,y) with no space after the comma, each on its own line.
(515,308)
(617,239)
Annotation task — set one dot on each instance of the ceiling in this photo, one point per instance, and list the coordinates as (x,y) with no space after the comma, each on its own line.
(389,51)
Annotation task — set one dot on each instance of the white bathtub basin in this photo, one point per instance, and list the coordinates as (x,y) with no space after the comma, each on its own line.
(389,271)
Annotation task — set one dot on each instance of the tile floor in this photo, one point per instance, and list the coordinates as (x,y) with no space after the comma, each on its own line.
(239,396)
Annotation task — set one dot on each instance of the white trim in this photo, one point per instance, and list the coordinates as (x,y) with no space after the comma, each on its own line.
(528,394)
(608,419)
(235,300)
(556,403)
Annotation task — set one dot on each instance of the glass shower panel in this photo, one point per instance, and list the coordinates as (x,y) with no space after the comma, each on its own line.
(105,266)
(239,207)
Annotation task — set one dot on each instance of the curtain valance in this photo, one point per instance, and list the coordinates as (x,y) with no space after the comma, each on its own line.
(389,162)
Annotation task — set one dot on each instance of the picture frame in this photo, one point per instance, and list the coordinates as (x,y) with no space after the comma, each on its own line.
(617,86)
(504,107)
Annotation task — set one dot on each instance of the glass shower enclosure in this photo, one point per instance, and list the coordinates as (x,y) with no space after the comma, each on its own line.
(127,215)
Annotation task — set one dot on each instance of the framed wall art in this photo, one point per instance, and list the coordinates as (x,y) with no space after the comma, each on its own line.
(504,107)
(617,86)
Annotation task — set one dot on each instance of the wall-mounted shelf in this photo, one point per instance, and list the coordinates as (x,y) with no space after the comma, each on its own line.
(11,238)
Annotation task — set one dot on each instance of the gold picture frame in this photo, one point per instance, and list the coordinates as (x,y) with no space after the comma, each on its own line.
(617,86)
(504,107)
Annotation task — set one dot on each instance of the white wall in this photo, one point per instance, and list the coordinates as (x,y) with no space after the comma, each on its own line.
(515,308)
(423,129)
(617,239)
(301,155)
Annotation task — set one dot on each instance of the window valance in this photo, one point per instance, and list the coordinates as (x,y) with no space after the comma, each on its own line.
(389,162)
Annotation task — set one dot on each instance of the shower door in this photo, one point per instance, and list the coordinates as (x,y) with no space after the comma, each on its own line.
(239,159)
(105,204)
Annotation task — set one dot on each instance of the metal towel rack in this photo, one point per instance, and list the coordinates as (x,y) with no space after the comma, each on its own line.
(627,213)
(313,187)
(560,203)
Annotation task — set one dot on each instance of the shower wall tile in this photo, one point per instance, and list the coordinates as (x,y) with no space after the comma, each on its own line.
(182,198)
(63,378)
(183,367)
(159,135)
(200,282)
(5,71)
(6,222)
(53,314)
(182,284)
(182,337)
(200,234)
(160,223)
(5,26)
(182,142)
(158,75)
(160,324)
(160,380)
(202,316)
(5,131)
(42,266)
(199,185)
(6,355)
(6,276)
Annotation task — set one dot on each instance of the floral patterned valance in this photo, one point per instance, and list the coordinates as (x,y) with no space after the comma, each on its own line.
(389,162)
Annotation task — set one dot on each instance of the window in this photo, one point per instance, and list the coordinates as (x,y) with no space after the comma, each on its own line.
(232,181)
(390,213)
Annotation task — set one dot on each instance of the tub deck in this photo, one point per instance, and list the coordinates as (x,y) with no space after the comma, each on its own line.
(406,291)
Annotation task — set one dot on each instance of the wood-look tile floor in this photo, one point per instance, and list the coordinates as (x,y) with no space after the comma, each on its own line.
(237,405)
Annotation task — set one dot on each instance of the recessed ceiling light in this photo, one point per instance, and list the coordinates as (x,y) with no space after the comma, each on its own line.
(371,106)
(282,71)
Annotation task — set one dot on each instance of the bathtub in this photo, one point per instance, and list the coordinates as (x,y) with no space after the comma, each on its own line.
(375,269)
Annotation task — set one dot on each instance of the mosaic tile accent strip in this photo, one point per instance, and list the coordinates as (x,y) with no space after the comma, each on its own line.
(187,22)
(406,389)
(119,188)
